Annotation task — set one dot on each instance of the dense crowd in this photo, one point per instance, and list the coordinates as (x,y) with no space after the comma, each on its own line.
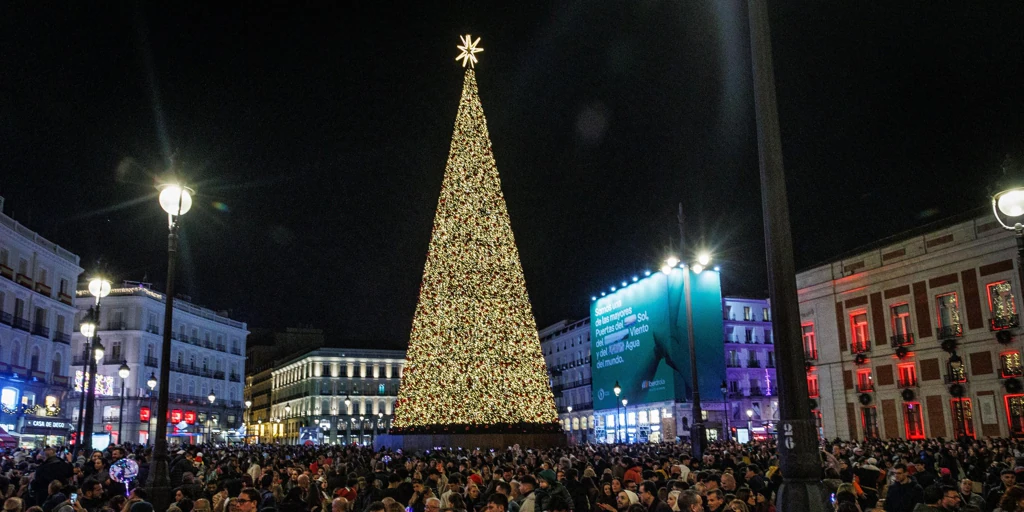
(894,476)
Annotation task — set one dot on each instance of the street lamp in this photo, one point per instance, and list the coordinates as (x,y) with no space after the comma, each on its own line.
(697,434)
(625,434)
(209,419)
(750,425)
(151,383)
(617,390)
(99,288)
(1010,203)
(176,200)
(124,371)
(287,410)
(725,408)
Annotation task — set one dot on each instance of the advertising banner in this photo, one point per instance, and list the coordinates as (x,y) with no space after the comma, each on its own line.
(639,339)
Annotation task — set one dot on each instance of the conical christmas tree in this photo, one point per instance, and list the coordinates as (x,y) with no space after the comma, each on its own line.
(474,360)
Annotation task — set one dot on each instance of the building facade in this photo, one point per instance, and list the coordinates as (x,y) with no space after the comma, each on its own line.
(750,399)
(206,357)
(566,349)
(918,337)
(37,312)
(346,394)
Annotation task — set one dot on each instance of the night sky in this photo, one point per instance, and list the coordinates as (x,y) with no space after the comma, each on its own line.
(317,138)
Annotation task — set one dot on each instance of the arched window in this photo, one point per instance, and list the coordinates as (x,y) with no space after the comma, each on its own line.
(16,354)
(206,364)
(34,365)
(178,386)
(55,367)
(191,387)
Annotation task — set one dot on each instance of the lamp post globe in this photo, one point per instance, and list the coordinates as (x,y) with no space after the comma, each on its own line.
(99,287)
(569,409)
(1010,202)
(288,410)
(212,397)
(248,404)
(124,371)
(88,329)
(348,401)
(176,200)
(617,390)
(151,382)
(624,402)
(97,351)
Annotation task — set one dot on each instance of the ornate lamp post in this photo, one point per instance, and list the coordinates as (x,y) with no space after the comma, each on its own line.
(99,288)
(572,435)
(625,424)
(725,409)
(124,371)
(176,200)
(151,383)
(209,419)
(617,390)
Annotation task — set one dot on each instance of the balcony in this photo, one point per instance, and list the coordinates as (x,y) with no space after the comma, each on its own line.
(6,271)
(753,363)
(907,383)
(43,289)
(6,318)
(756,392)
(1011,371)
(111,419)
(811,355)
(949,331)
(65,298)
(236,351)
(62,337)
(236,377)
(41,330)
(21,323)
(860,347)
(152,329)
(733,364)
(956,378)
(577,383)
(219,375)
(901,340)
(23,280)
(151,362)
(1004,322)
(865,387)
(115,326)
(222,348)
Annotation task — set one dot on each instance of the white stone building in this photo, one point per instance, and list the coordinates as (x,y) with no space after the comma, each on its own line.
(749,367)
(37,311)
(349,394)
(566,349)
(206,356)
(918,336)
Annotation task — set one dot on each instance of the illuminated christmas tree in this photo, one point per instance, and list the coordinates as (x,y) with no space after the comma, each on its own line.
(474,361)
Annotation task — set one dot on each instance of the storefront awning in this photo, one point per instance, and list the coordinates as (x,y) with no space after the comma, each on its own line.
(6,439)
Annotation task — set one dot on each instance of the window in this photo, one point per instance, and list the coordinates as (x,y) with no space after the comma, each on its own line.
(1001,305)
(812,386)
(42,276)
(907,375)
(750,335)
(34,361)
(4,255)
(869,420)
(115,351)
(948,315)
(380,389)
(63,286)
(766,314)
(746,313)
(900,314)
(1010,364)
(28,399)
(864,381)
(23,266)
(913,420)
(810,342)
(859,331)
(771,360)
(963,420)
(957,369)
(60,324)
(9,397)
(1014,413)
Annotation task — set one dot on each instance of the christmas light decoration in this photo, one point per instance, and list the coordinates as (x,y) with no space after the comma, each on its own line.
(474,362)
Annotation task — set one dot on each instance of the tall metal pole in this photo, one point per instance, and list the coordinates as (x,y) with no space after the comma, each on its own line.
(85,373)
(159,475)
(801,488)
(697,435)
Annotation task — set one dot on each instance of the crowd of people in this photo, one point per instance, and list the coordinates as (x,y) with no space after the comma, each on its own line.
(872,475)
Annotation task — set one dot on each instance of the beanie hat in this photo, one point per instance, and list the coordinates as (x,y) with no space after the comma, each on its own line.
(548,475)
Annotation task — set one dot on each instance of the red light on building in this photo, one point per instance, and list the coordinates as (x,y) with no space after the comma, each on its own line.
(190,417)
(144,414)
(109,427)
(176,416)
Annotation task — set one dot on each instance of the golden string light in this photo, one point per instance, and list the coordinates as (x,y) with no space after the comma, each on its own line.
(474,357)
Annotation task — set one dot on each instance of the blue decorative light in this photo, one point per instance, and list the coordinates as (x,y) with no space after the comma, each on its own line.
(635,279)
(623,284)
(602,294)
(613,288)
(593,299)
(647,273)
(717,268)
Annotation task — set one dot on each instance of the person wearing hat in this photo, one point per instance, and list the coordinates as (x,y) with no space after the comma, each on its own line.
(550,487)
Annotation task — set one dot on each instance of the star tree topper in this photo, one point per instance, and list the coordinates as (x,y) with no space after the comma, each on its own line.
(469,50)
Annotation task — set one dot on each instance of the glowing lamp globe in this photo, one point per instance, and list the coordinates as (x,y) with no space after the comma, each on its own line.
(124,371)
(151,382)
(248,404)
(88,329)
(288,409)
(176,200)
(704,258)
(617,389)
(1011,202)
(212,397)
(97,352)
(672,261)
(698,268)
(99,287)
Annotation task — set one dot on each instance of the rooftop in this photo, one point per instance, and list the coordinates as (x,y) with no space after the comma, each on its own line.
(141,291)
(36,238)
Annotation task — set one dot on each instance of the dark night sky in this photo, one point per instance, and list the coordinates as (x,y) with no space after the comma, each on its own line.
(325,133)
